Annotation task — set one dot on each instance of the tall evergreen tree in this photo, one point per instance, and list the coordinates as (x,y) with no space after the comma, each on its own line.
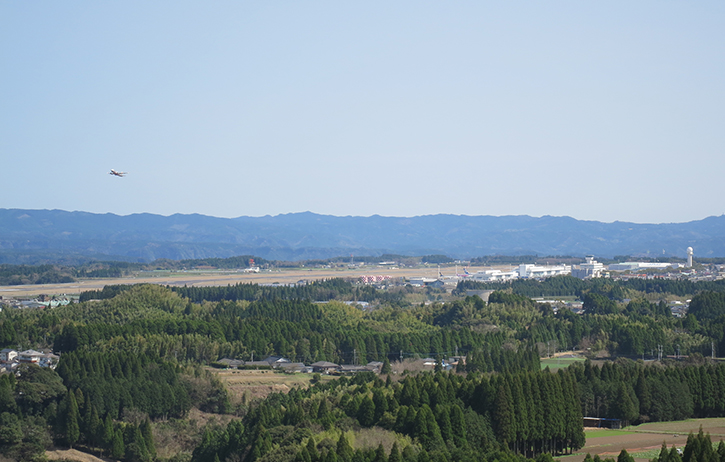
(72,417)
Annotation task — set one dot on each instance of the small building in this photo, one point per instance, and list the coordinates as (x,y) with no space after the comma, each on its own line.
(482,294)
(8,355)
(36,357)
(325,367)
(352,369)
(374,366)
(231,362)
(597,422)
(293,368)
(276,361)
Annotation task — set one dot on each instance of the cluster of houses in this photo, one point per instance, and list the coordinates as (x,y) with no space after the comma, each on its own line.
(11,359)
(40,302)
(326,367)
(285,365)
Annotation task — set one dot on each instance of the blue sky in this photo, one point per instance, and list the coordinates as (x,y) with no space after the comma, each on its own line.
(596,110)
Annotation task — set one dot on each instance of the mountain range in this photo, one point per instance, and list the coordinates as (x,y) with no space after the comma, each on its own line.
(29,235)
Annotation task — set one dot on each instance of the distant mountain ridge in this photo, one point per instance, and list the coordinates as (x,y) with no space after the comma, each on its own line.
(306,235)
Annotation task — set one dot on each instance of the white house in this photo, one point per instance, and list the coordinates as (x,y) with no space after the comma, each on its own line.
(7,355)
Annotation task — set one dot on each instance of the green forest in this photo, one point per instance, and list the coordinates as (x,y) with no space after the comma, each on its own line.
(133,364)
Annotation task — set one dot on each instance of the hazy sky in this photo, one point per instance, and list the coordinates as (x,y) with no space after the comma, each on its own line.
(596,110)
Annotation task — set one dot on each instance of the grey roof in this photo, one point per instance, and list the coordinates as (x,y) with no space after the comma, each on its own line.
(324,364)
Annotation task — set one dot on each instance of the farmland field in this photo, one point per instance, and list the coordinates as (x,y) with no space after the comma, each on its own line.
(259,384)
(644,441)
(559,362)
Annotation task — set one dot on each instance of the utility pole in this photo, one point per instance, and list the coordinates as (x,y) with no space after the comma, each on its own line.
(401,356)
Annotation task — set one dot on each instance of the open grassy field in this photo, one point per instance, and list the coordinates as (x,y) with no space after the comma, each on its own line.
(559,362)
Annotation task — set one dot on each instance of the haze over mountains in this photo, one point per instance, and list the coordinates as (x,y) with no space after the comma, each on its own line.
(28,234)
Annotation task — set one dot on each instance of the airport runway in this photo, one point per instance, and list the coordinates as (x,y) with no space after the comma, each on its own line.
(219,278)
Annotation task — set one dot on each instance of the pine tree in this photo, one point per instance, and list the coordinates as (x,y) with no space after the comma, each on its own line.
(624,456)
(386,369)
(395,454)
(344,450)
(366,413)
(380,454)
(148,437)
(504,416)
(72,428)
(312,449)
(117,447)
(664,453)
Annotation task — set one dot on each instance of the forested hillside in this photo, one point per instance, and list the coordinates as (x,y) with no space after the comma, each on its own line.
(132,362)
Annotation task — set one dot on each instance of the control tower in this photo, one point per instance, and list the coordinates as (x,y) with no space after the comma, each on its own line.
(689,257)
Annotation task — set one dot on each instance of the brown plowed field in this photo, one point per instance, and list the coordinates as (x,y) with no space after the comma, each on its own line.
(647,437)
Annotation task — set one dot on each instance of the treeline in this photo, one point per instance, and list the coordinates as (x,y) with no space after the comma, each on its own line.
(699,448)
(157,320)
(114,381)
(300,330)
(634,329)
(435,417)
(323,290)
(631,391)
(100,401)
(37,409)
(615,289)
(11,275)
(240,261)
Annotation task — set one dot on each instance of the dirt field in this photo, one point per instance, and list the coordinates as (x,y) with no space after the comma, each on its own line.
(219,278)
(646,438)
(72,454)
(258,384)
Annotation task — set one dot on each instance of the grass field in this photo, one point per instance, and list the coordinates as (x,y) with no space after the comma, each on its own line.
(558,363)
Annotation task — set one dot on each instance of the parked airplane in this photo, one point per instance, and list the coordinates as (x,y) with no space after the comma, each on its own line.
(113,172)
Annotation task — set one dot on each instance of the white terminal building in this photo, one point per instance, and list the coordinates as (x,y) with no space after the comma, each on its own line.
(540,272)
(589,269)
(522,272)
(638,265)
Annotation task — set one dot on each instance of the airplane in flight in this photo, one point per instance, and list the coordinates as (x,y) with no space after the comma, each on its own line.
(113,172)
